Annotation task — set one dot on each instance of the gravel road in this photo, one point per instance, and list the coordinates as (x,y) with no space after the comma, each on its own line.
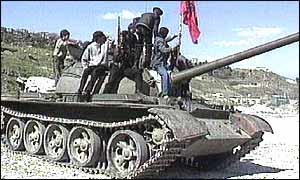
(276,157)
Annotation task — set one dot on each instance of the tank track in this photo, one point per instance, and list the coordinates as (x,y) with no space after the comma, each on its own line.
(158,162)
(221,161)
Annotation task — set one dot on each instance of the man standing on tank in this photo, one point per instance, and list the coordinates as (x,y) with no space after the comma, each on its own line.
(60,53)
(147,26)
(132,31)
(159,62)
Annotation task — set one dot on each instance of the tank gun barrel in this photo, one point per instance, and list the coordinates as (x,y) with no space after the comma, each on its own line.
(222,62)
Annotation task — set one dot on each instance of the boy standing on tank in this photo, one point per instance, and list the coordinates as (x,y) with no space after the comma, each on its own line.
(159,62)
(60,53)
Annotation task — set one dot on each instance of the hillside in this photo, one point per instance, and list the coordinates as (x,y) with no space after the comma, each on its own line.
(25,62)
(29,54)
(246,82)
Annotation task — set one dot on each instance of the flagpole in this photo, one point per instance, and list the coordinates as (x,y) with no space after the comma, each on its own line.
(180,33)
(180,29)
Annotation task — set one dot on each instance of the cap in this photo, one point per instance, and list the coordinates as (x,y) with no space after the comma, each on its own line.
(158,9)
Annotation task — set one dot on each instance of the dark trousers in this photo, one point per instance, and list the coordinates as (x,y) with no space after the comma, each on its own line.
(58,67)
(182,89)
(99,84)
(96,72)
(117,74)
(144,36)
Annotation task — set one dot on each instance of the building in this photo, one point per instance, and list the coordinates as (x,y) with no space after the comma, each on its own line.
(245,100)
(277,100)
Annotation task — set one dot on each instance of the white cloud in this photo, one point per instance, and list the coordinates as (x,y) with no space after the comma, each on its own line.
(258,32)
(250,35)
(203,57)
(231,43)
(129,15)
(253,62)
(124,14)
(110,16)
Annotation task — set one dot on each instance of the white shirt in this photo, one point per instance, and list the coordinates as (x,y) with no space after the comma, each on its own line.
(94,55)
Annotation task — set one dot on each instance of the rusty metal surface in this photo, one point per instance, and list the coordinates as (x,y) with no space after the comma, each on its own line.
(250,123)
(70,80)
(223,136)
(223,129)
(210,113)
(183,125)
(24,103)
(207,147)
(105,112)
(125,98)
(222,160)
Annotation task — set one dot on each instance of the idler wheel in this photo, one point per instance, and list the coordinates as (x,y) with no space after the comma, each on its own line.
(33,137)
(84,147)
(55,142)
(126,151)
(14,134)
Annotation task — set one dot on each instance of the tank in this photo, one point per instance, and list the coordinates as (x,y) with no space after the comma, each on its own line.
(132,135)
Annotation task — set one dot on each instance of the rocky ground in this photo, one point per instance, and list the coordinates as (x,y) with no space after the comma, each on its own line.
(276,157)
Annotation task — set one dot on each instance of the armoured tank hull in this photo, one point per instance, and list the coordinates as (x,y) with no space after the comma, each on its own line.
(132,135)
(126,136)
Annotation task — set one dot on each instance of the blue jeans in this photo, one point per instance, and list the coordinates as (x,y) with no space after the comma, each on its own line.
(165,79)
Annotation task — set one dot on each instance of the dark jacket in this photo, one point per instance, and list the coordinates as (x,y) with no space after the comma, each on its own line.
(161,51)
(126,55)
(150,21)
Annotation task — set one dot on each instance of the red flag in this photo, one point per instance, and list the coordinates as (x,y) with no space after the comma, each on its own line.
(188,12)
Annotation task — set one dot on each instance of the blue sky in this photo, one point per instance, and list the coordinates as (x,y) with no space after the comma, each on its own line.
(226,27)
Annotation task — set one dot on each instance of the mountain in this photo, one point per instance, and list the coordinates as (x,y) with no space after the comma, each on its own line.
(22,37)
(245,83)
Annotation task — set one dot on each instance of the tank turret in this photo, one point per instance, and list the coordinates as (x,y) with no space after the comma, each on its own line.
(222,62)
